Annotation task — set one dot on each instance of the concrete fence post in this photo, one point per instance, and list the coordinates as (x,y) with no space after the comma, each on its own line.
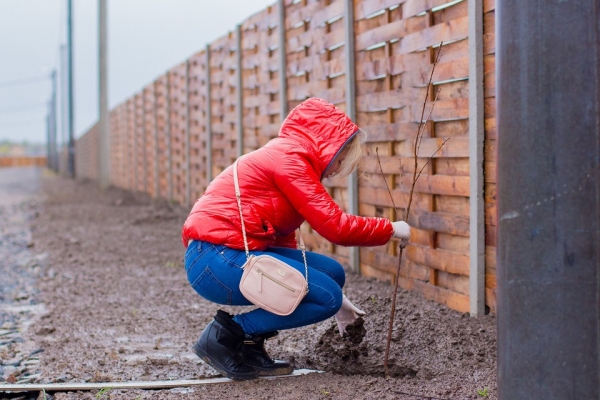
(103,112)
(476,139)
(349,50)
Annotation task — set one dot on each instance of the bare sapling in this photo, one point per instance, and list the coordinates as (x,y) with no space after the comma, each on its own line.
(416,174)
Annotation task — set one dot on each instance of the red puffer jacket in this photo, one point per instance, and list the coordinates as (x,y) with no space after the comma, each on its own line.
(280,187)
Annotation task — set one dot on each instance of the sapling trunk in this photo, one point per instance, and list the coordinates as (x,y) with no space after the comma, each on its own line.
(415,177)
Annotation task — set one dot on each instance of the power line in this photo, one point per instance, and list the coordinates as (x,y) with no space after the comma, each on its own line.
(18,82)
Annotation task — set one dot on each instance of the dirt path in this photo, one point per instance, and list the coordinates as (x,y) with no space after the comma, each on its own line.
(119,308)
(19,265)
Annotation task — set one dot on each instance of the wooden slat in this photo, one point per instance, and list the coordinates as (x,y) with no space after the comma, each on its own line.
(320,40)
(489,5)
(455,283)
(449,31)
(334,10)
(440,222)
(439,259)
(490,299)
(456,301)
(319,68)
(365,8)
(391,31)
(454,147)
(490,258)
(489,32)
(368,270)
(381,197)
(413,7)
(301,13)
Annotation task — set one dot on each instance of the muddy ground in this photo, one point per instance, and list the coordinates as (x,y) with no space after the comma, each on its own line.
(107,272)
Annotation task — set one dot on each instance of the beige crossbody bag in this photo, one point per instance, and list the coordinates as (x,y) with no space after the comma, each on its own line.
(267,282)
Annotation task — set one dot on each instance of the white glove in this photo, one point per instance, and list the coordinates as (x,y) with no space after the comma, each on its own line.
(347,314)
(401,231)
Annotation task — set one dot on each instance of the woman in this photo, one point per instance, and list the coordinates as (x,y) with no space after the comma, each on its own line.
(280,187)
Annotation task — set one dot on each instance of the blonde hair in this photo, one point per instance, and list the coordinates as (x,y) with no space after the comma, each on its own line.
(354,154)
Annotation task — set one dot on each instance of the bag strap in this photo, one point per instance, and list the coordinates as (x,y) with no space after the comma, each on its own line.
(239,203)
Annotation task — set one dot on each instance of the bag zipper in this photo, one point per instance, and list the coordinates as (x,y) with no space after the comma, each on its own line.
(261,274)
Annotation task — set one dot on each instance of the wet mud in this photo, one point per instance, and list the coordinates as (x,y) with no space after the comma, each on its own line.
(118,307)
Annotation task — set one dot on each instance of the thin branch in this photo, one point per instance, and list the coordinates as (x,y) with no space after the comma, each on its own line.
(421,126)
(420,134)
(386,184)
(431,157)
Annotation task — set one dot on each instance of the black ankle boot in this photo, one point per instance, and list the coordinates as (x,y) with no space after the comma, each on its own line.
(220,345)
(256,356)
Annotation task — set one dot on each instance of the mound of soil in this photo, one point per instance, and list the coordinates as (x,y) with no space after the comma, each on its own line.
(120,308)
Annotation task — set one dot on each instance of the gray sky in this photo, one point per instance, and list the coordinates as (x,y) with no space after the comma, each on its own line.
(146,38)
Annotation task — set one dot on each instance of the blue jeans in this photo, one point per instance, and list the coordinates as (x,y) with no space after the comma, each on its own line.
(215,271)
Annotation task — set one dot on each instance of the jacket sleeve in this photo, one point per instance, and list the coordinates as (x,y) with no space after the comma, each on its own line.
(287,241)
(299,182)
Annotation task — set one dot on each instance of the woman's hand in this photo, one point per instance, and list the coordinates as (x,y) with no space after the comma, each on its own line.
(402,232)
(347,314)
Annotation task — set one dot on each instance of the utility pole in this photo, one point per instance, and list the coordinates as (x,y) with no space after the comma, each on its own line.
(103,126)
(48,138)
(70,127)
(53,157)
(60,162)
(548,262)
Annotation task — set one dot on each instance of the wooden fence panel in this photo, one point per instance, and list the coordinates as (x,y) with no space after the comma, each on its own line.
(223,64)
(130,132)
(178,102)
(489,62)
(140,143)
(125,146)
(86,154)
(315,51)
(198,124)
(115,146)
(162,132)
(124,171)
(149,141)
(260,78)
(396,44)
(23,161)
(316,66)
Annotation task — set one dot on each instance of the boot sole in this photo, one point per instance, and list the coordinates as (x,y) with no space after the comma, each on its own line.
(205,357)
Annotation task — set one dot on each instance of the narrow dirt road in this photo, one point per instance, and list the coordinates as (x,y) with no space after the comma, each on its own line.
(19,265)
(119,308)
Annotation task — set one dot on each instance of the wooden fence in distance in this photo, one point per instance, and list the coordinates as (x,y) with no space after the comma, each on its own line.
(181,130)
(22,161)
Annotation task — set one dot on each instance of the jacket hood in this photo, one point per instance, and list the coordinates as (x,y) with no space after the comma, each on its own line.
(319,127)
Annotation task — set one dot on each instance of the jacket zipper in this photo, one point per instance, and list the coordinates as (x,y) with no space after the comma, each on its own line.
(261,274)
